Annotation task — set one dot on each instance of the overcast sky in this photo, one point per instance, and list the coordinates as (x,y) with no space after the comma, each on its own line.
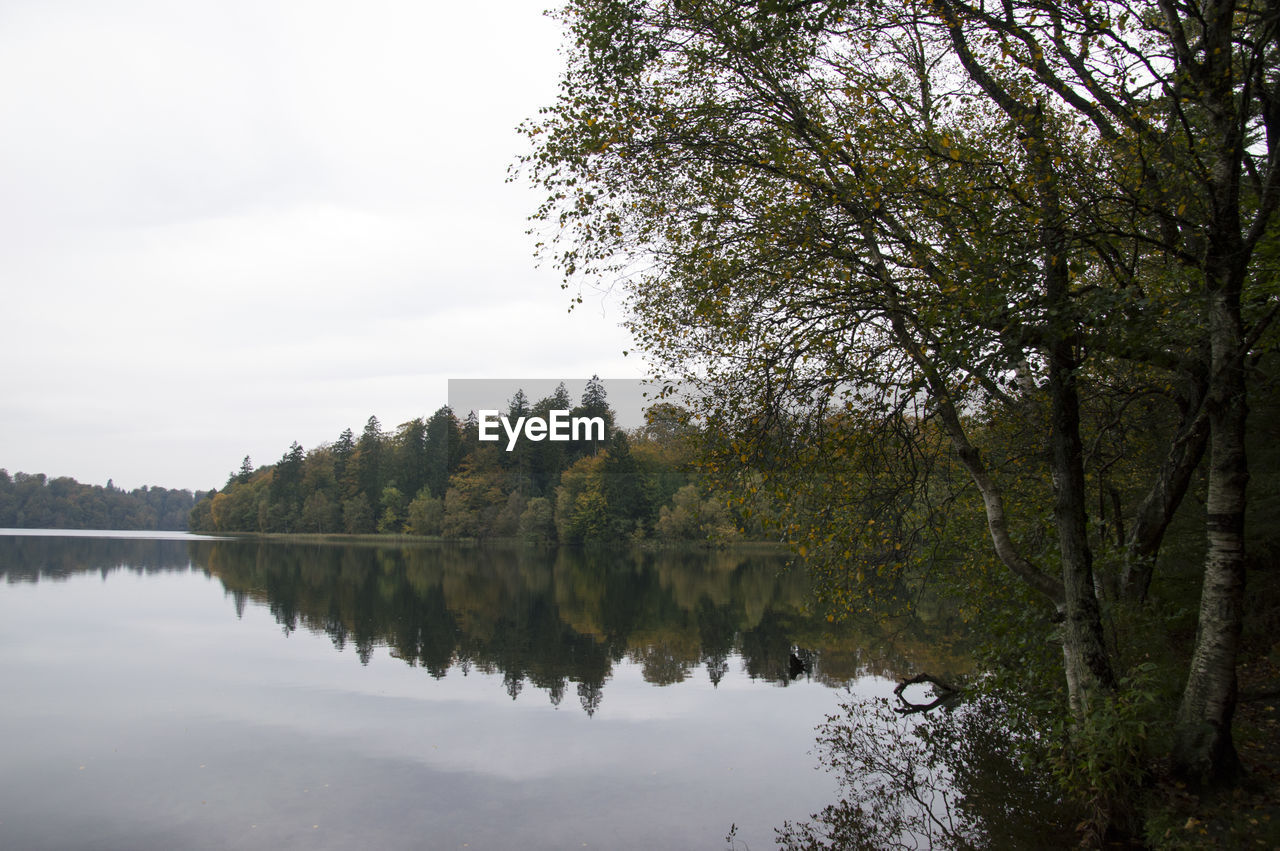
(230,225)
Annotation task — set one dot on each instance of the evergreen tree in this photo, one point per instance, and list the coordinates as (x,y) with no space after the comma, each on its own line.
(518,406)
(408,467)
(286,490)
(623,487)
(443,450)
(343,451)
(595,404)
(519,462)
(547,459)
(370,456)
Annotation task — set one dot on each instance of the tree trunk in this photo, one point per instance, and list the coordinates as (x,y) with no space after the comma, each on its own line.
(1088,666)
(1203,747)
(1084,649)
(1156,510)
(1203,750)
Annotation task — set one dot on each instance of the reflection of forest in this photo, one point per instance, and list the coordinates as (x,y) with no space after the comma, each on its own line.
(555,620)
(31,558)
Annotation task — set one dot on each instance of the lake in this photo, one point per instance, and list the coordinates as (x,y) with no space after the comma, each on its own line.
(169,691)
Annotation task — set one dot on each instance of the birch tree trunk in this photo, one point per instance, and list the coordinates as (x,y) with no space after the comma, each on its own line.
(1203,747)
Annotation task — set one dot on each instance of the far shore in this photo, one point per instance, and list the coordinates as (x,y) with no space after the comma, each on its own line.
(401,539)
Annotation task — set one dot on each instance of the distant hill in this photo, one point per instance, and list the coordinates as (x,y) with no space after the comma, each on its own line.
(34,501)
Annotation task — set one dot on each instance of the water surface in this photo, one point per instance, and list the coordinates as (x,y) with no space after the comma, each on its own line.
(192,693)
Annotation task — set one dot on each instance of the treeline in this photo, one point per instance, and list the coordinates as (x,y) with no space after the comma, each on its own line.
(34,501)
(435,477)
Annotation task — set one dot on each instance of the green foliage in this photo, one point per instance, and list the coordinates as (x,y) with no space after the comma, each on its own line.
(582,514)
(691,518)
(357,515)
(963,290)
(426,514)
(34,501)
(542,492)
(236,507)
(537,522)
(459,521)
(319,514)
(1104,758)
(623,489)
(391,520)
(475,495)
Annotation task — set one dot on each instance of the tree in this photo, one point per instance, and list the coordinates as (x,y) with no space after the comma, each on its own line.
(623,488)
(344,451)
(518,462)
(784,273)
(548,459)
(408,468)
(357,515)
(286,489)
(537,522)
(475,496)
(582,514)
(370,459)
(691,518)
(506,524)
(594,404)
(235,509)
(318,514)
(444,450)
(391,519)
(918,213)
(1187,95)
(426,513)
(246,471)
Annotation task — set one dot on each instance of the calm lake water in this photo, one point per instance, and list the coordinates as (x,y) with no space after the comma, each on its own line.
(169,691)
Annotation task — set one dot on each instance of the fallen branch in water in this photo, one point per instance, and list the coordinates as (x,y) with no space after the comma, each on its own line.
(947,693)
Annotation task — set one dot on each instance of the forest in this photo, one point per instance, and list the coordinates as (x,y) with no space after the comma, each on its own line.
(34,501)
(434,477)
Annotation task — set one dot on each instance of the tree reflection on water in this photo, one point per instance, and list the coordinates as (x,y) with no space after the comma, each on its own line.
(961,776)
(558,621)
